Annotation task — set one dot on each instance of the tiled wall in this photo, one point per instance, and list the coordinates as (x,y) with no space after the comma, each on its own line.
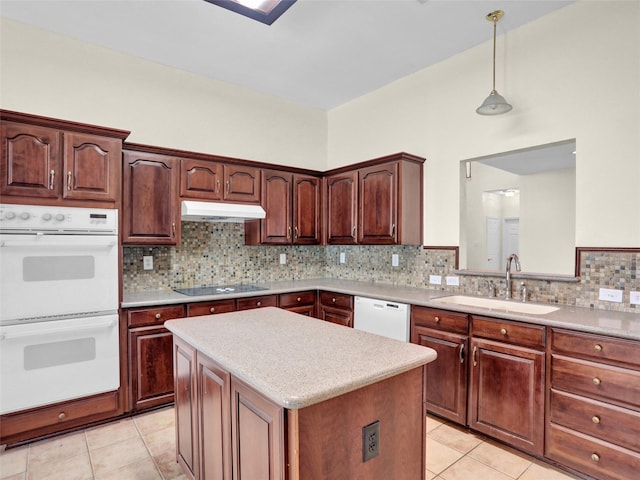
(215,254)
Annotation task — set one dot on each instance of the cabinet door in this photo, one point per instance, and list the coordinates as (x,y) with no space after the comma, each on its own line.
(341,208)
(336,315)
(506,398)
(378,204)
(151,367)
(31,158)
(242,184)
(92,166)
(214,420)
(184,357)
(306,210)
(200,179)
(151,211)
(276,227)
(446,378)
(257,431)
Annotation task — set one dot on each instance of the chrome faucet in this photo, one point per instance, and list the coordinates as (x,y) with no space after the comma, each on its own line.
(511,257)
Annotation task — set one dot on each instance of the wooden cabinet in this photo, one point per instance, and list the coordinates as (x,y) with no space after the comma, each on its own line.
(59,162)
(215,181)
(292,203)
(303,303)
(150,356)
(507,380)
(184,365)
(593,404)
(336,308)
(446,377)
(211,308)
(257,302)
(151,210)
(375,202)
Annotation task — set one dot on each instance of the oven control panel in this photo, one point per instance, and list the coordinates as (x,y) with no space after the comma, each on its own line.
(34,218)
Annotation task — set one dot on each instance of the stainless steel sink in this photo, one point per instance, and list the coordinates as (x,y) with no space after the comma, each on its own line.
(497,304)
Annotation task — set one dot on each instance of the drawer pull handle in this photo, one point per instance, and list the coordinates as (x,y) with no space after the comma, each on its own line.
(595,419)
(503,331)
(212,309)
(595,457)
(475,361)
(158,316)
(462,353)
(62,416)
(258,303)
(436,319)
(598,347)
(596,381)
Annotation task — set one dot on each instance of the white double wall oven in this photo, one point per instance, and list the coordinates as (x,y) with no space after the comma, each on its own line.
(58,304)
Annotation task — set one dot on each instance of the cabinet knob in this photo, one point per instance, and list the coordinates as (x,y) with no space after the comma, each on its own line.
(436,319)
(503,331)
(62,416)
(595,457)
(258,303)
(158,315)
(595,419)
(333,299)
(598,347)
(596,381)
(212,309)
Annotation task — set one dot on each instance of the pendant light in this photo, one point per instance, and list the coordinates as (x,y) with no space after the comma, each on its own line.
(494,104)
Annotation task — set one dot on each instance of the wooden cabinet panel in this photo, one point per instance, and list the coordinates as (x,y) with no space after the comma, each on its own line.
(336,315)
(257,302)
(200,179)
(440,319)
(257,431)
(446,377)
(154,315)
(297,299)
(242,184)
(336,300)
(211,308)
(307,216)
(596,347)
(151,211)
(341,208)
(506,399)
(510,332)
(378,207)
(276,199)
(184,357)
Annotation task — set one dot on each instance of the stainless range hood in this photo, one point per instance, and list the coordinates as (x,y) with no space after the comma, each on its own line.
(220,212)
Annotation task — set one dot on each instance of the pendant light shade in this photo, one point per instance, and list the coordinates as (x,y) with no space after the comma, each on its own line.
(494,104)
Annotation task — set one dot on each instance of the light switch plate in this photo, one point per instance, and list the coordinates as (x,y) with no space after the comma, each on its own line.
(435,279)
(610,295)
(453,281)
(634,298)
(395,261)
(147,262)
(283,258)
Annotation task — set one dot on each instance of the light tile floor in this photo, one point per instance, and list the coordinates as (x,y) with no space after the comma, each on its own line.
(143,448)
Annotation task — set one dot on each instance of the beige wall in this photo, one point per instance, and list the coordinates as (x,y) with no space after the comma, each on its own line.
(572,74)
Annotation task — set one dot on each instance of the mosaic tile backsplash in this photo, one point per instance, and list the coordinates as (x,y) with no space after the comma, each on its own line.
(215,254)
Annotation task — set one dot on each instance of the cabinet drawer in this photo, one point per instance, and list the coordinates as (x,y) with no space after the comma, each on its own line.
(439,319)
(601,420)
(210,308)
(603,349)
(505,331)
(257,302)
(154,316)
(288,300)
(589,455)
(615,384)
(337,300)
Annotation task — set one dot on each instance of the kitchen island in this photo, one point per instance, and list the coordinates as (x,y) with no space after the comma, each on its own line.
(270,394)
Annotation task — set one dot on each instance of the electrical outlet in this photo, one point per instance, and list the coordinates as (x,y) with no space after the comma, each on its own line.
(634,298)
(435,279)
(147,262)
(395,260)
(610,295)
(371,441)
(283,258)
(342,257)
(453,281)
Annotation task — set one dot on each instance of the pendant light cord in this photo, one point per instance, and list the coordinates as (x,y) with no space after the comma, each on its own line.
(495,22)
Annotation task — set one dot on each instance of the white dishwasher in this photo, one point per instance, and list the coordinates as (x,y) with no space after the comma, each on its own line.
(389,319)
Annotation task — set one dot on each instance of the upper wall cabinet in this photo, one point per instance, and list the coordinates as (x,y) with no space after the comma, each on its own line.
(150,204)
(292,202)
(55,161)
(210,180)
(375,203)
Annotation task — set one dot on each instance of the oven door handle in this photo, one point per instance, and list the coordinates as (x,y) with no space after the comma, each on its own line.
(40,244)
(49,331)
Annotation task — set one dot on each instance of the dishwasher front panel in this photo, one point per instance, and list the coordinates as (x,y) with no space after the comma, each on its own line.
(389,319)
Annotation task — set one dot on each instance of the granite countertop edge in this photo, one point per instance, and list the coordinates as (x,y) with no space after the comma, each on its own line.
(618,324)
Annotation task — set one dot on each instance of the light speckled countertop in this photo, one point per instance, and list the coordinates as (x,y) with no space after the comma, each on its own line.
(294,360)
(619,324)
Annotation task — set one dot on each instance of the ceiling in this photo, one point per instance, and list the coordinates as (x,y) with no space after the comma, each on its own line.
(320,53)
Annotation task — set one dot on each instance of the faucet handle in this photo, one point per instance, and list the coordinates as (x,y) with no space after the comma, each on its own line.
(523,292)
(492,289)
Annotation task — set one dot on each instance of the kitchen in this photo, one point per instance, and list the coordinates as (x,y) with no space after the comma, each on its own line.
(304,137)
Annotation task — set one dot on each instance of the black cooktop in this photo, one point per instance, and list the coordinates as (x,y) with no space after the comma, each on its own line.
(218,290)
